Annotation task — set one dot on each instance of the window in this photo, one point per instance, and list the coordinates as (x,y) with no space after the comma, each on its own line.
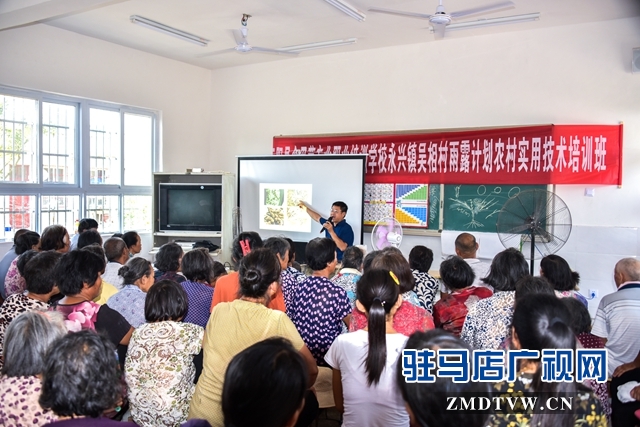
(55,171)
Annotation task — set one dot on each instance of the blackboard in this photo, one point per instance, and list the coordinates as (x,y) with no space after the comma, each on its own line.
(476,207)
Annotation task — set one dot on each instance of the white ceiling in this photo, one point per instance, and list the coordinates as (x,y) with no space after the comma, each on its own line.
(280,23)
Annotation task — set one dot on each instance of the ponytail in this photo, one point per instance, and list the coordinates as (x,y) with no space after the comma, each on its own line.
(377,291)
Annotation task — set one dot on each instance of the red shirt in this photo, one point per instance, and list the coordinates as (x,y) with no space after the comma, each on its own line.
(450,312)
(227,288)
(407,320)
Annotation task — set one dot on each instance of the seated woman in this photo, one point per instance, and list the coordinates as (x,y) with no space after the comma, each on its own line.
(265,385)
(409,317)
(366,392)
(450,312)
(197,266)
(159,367)
(89,237)
(542,322)
(425,401)
(236,325)
(84,358)
(227,287)
(351,271)
(556,270)
(168,263)
(420,260)
(137,279)
(133,242)
(41,286)
(78,277)
(319,306)
(28,338)
(219,270)
(55,238)
(14,282)
(288,283)
(487,323)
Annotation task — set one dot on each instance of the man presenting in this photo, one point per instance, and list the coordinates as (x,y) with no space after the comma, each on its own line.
(335,227)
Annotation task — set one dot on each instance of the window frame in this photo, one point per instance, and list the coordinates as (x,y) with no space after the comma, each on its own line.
(82,186)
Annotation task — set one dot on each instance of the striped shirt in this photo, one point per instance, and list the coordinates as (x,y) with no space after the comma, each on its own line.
(618,321)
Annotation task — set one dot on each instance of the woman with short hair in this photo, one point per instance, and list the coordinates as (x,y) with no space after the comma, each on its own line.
(168,263)
(565,281)
(197,266)
(55,238)
(79,279)
(14,281)
(27,340)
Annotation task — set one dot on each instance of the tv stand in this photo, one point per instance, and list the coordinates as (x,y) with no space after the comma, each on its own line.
(223,238)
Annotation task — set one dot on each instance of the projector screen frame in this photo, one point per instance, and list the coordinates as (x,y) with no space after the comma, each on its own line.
(359,237)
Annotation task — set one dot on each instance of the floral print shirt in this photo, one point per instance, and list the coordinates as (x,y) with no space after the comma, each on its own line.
(13,306)
(588,411)
(407,320)
(129,302)
(159,371)
(14,282)
(426,288)
(347,280)
(488,321)
(451,311)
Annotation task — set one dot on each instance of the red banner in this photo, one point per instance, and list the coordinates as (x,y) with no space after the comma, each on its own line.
(545,154)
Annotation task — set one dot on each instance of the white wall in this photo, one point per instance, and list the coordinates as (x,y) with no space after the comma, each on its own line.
(576,74)
(49,59)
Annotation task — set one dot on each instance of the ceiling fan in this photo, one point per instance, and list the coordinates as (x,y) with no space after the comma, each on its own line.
(441,19)
(243,45)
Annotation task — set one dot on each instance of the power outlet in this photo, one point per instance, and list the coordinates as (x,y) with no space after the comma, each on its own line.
(593,293)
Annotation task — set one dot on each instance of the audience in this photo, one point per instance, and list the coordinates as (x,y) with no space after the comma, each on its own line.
(288,283)
(133,242)
(410,317)
(137,279)
(530,285)
(41,286)
(6,261)
(556,270)
(55,238)
(366,392)
(159,367)
(350,273)
(78,275)
(467,247)
(227,287)
(197,266)
(107,290)
(89,237)
(265,385)
(85,224)
(451,311)
(420,260)
(318,306)
(617,320)
(236,325)
(425,401)
(487,322)
(28,338)
(581,327)
(219,270)
(14,282)
(117,254)
(293,266)
(542,322)
(168,263)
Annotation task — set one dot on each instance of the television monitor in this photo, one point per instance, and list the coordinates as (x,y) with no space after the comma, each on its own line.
(190,207)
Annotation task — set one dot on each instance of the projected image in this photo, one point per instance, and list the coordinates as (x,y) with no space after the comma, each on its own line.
(279,207)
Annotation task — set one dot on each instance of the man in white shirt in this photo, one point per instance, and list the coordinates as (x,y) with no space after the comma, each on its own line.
(617,320)
(117,253)
(467,249)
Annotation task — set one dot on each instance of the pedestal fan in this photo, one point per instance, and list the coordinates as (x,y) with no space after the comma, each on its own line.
(538,222)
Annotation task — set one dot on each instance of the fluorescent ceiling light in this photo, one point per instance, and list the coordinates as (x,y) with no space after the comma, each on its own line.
(348,9)
(494,21)
(318,45)
(169,30)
